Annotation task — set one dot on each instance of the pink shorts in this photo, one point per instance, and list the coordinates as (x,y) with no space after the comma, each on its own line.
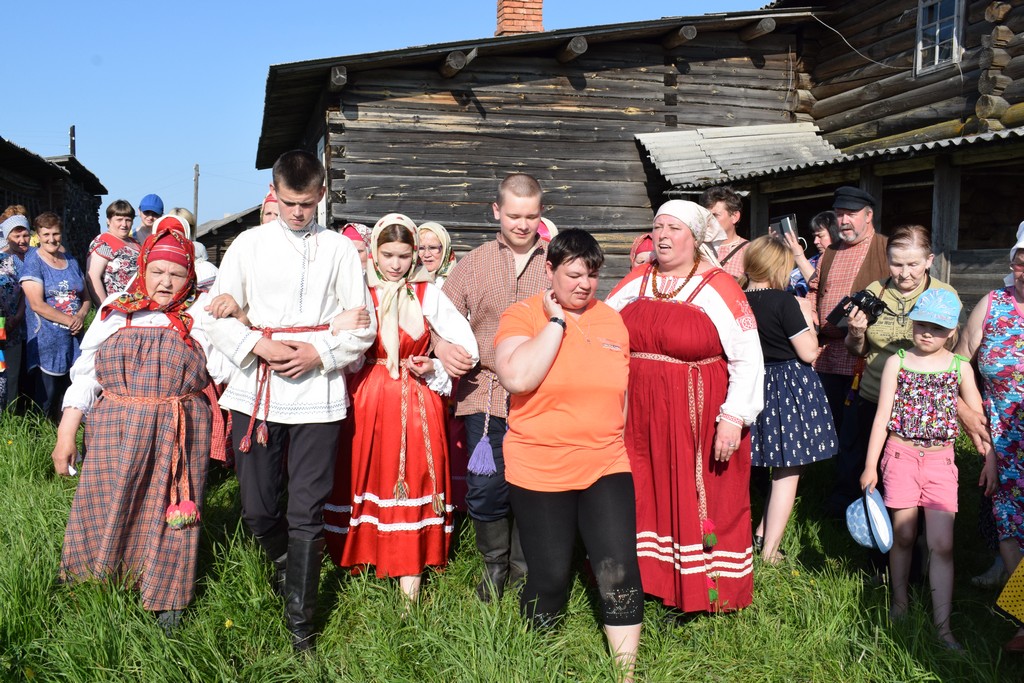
(912,477)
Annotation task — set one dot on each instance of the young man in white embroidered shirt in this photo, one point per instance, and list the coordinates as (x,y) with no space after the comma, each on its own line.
(291,276)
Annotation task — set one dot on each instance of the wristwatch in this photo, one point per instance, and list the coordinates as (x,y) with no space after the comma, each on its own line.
(558,321)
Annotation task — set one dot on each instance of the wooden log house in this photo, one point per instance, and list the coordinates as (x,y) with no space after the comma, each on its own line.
(61,184)
(913,94)
(925,102)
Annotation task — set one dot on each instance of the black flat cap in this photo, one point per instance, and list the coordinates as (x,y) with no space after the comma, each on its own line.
(852,199)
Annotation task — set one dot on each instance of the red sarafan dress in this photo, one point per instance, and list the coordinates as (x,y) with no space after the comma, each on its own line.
(386,510)
(693,546)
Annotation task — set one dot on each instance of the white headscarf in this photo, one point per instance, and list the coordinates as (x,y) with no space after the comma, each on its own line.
(398,307)
(1008,280)
(11,222)
(447,257)
(707,233)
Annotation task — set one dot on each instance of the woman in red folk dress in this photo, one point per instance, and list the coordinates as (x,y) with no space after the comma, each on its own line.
(696,383)
(391,509)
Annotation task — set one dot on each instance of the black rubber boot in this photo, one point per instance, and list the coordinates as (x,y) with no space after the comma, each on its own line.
(302,586)
(169,621)
(493,541)
(516,561)
(275,545)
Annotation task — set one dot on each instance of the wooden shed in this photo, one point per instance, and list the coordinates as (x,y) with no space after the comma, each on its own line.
(61,184)
(217,235)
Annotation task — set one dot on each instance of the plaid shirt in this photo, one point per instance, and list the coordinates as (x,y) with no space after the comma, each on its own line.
(734,266)
(482,285)
(833,356)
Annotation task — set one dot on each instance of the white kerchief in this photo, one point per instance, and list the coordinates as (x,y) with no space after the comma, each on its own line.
(398,307)
(447,253)
(705,228)
(16,221)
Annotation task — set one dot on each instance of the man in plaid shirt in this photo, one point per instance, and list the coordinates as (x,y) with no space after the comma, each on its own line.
(847,266)
(482,285)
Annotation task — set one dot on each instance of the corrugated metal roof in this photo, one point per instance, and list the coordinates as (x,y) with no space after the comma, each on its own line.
(707,156)
(903,151)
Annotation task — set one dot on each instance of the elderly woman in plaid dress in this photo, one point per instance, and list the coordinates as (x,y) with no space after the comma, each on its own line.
(140,379)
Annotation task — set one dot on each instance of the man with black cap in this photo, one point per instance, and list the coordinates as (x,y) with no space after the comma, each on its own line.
(847,266)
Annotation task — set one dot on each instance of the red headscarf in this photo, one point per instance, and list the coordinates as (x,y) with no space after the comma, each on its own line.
(167,244)
(640,244)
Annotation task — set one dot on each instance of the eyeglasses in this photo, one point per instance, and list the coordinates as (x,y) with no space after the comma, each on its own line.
(1016,267)
(434,250)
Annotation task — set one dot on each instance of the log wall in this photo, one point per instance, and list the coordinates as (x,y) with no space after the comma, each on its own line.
(435,148)
(78,209)
(871,92)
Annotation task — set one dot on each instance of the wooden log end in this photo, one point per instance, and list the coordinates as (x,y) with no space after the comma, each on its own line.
(997,11)
(753,31)
(1013,116)
(683,34)
(454,63)
(573,49)
(991,107)
(339,77)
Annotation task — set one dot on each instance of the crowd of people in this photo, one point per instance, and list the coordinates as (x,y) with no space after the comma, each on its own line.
(368,373)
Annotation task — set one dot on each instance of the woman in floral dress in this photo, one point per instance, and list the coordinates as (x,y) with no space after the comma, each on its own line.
(995,336)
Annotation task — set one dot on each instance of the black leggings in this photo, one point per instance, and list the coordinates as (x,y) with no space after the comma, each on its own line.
(605,516)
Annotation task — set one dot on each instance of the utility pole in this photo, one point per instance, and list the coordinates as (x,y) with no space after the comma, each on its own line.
(195,197)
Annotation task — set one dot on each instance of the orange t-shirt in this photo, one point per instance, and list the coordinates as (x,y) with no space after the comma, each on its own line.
(568,433)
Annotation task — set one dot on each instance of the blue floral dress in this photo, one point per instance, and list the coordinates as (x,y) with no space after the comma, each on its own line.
(51,346)
(1001,362)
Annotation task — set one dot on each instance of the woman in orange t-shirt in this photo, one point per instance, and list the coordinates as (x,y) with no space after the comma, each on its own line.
(564,358)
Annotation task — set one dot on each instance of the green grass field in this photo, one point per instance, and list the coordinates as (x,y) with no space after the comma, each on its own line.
(815,617)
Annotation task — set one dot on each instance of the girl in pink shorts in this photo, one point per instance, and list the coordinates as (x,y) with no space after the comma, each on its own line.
(917,425)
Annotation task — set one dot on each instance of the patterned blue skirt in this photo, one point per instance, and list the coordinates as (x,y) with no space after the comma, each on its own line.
(795,427)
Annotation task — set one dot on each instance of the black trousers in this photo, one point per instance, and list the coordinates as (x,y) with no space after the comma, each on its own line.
(853,448)
(312,450)
(486,494)
(605,517)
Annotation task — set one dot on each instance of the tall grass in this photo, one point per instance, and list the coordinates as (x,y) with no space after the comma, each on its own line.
(815,617)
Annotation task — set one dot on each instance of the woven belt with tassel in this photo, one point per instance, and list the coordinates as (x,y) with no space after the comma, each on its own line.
(401,490)
(263,373)
(182,511)
(695,399)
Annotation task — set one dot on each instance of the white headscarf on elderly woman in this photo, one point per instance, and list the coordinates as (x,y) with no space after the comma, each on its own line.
(1008,280)
(397,306)
(707,233)
(12,222)
(447,253)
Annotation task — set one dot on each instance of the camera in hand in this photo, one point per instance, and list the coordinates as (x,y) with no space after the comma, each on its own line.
(870,304)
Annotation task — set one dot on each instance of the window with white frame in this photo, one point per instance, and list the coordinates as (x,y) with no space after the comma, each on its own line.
(938,34)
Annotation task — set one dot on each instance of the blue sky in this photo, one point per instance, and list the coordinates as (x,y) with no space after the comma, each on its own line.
(154,88)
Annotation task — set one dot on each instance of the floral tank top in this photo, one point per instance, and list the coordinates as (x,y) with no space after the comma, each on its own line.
(924,409)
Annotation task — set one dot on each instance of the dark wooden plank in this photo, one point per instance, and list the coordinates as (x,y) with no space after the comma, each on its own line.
(935,92)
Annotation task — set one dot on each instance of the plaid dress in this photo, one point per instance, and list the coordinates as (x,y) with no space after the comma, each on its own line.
(117,525)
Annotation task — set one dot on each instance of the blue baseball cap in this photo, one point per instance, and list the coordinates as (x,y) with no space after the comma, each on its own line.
(869,523)
(937,306)
(151,202)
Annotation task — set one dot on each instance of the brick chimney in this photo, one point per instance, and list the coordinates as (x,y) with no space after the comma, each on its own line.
(519,16)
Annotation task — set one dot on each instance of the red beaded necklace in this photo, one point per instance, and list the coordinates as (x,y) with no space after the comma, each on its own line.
(658,294)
